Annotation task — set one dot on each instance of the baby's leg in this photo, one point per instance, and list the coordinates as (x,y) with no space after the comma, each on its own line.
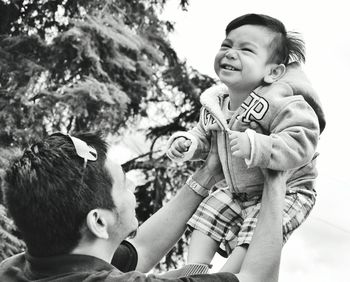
(213,219)
(298,204)
(202,248)
(201,251)
(235,260)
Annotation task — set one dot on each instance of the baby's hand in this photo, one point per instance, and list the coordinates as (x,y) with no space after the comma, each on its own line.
(240,144)
(178,147)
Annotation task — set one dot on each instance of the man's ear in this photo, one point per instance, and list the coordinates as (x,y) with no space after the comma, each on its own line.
(275,73)
(97,224)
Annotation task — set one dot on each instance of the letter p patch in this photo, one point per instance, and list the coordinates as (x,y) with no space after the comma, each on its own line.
(255,109)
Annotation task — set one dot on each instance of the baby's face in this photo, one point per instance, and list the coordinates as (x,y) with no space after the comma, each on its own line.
(241,62)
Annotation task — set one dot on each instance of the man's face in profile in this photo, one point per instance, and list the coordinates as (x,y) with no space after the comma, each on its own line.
(124,200)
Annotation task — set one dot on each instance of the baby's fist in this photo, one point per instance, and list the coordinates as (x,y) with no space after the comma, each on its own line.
(240,144)
(179,147)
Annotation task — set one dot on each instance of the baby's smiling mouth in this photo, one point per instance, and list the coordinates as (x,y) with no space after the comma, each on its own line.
(228,67)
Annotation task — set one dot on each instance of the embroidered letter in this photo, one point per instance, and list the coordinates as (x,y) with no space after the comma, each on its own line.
(208,120)
(256,108)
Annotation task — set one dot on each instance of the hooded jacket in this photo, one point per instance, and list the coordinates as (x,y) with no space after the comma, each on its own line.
(283,121)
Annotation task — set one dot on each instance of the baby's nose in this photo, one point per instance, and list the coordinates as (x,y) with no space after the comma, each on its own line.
(231,54)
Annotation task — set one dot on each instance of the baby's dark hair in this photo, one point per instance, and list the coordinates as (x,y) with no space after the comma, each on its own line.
(287,46)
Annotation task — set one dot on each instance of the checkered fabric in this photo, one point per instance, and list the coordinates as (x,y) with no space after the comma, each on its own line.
(230,218)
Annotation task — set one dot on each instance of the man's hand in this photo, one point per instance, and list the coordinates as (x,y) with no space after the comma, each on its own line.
(240,144)
(178,147)
(275,178)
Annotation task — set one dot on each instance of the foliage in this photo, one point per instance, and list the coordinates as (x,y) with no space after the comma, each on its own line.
(9,243)
(94,65)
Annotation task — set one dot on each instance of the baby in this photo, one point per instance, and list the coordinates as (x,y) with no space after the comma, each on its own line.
(264,115)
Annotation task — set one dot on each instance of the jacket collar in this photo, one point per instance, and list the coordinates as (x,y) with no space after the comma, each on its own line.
(40,267)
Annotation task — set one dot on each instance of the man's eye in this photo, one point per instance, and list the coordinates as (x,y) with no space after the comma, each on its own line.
(247,50)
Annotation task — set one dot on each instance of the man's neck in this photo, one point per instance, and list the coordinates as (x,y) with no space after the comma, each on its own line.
(100,249)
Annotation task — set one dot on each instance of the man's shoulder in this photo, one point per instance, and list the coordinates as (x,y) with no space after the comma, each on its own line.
(10,266)
(140,277)
(12,261)
(125,257)
(118,276)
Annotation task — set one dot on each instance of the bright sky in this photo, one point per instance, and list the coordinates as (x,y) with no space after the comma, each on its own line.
(320,249)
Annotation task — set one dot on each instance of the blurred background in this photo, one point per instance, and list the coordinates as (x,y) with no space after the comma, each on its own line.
(134,71)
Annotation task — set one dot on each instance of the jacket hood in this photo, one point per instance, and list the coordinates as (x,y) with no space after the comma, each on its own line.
(300,84)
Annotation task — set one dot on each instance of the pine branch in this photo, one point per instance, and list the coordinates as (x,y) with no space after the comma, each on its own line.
(9,243)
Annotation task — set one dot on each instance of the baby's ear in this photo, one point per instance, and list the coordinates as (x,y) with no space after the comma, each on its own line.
(275,73)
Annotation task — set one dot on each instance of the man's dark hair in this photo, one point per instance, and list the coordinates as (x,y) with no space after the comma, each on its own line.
(49,192)
(286,46)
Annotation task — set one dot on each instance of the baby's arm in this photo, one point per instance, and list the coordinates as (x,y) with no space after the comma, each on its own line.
(293,139)
(179,147)
(183,146)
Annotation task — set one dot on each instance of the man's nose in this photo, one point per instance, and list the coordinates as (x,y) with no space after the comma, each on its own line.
(131,185)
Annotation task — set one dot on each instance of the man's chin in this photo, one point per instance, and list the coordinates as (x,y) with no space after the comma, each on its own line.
(132,234)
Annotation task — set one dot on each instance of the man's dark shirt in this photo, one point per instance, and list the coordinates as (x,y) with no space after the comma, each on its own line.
(73,268)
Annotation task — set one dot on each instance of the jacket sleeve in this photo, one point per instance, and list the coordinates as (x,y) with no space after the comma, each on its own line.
(200,139)
(203,137)
(293,139)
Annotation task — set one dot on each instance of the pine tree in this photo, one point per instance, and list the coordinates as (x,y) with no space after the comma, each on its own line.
(86,65)
(9,243)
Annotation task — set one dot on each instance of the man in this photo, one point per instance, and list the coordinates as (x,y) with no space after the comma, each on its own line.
(75,208)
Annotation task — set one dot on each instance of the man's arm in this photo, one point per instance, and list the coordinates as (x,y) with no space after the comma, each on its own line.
(162,230)
(263,256)
(264,253)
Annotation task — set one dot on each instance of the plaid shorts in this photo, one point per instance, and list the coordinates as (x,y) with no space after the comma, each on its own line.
(230,218)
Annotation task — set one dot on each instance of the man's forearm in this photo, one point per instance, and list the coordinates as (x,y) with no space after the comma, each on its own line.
(163,229)
(263,256)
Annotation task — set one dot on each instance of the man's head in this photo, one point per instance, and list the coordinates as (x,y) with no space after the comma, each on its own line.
(56,198)
(256,50)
